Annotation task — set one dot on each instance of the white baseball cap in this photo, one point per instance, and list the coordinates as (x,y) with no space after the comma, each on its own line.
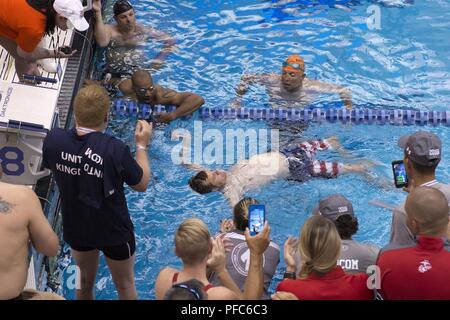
(72,10)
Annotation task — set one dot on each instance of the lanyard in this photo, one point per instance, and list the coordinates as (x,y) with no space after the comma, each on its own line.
(85,130)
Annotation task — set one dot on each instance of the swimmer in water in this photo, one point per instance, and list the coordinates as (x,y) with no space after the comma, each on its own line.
(141,88)
(123,37)
(291,88)
(294,162)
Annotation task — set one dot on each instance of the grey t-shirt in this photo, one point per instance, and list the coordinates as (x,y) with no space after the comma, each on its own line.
(357,257)
(400,233)
(238,261)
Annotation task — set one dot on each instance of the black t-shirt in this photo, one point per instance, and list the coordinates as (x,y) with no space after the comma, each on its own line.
(90,171)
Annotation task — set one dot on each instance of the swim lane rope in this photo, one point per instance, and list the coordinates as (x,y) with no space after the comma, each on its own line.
(357,116)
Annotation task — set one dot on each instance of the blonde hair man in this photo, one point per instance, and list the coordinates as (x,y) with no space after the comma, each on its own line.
(90,168)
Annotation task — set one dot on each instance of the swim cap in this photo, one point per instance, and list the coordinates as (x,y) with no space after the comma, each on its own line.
(294,63)
(121,6)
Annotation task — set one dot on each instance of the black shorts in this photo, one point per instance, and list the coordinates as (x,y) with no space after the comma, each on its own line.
(120,252)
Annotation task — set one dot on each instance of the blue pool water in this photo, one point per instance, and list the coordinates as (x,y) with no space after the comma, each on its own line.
(404,64)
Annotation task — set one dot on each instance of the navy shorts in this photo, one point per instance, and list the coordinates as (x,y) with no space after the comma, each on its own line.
(299,163)
(120,252)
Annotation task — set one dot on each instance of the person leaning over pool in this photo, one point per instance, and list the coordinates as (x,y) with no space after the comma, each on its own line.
(23,24)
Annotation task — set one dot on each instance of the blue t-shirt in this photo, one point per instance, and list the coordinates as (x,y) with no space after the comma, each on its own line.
(90,171)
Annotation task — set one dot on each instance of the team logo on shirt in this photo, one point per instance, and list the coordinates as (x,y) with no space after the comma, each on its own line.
(424,266)
(240,257)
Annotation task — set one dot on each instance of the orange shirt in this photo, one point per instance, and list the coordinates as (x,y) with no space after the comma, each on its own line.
(21,23)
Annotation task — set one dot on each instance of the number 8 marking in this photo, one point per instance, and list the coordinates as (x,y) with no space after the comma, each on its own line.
(17,161)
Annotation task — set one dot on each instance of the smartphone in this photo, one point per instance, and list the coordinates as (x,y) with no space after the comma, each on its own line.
(66,49)
(256,218)
(400,177)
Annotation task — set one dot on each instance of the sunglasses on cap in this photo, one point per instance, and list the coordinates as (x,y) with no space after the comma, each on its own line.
(293,65)
(143,91)
(191,290)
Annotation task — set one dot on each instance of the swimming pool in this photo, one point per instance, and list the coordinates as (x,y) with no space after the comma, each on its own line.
(403,64)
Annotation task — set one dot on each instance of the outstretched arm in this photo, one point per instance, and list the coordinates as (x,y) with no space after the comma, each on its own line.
(186,103)
(246,81)
(254,284)
(102,32)
(344,93)
(169,45)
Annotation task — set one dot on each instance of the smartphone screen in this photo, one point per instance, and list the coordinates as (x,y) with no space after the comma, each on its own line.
(256,218)
(400,178)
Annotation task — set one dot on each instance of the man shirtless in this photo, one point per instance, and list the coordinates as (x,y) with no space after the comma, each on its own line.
(21,221)
(294,162)
(291,88)
(125,35)
(141,88)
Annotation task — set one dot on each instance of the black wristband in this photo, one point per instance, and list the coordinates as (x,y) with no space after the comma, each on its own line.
(289,275)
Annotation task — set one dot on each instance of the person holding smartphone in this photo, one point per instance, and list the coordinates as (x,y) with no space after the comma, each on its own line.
(399,171)
(238,253)
(422,152)
(23,24)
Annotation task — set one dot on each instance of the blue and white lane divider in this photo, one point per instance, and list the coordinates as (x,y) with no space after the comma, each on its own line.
(357,116)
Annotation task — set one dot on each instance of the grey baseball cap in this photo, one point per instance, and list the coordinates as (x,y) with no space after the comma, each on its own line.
(422,147)
(333,207)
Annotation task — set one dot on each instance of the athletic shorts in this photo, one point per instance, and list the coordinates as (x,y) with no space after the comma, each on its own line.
(120,252)
(299,163)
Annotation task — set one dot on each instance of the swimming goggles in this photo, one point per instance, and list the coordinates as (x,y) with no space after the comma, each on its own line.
(143,91)
(191,290)
(296,66)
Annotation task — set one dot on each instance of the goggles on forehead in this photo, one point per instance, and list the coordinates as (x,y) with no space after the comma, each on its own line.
(296,66)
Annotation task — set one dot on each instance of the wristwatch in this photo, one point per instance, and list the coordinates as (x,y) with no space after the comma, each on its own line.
(289,275)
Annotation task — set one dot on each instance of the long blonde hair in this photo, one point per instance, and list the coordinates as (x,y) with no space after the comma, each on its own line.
(319,246)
